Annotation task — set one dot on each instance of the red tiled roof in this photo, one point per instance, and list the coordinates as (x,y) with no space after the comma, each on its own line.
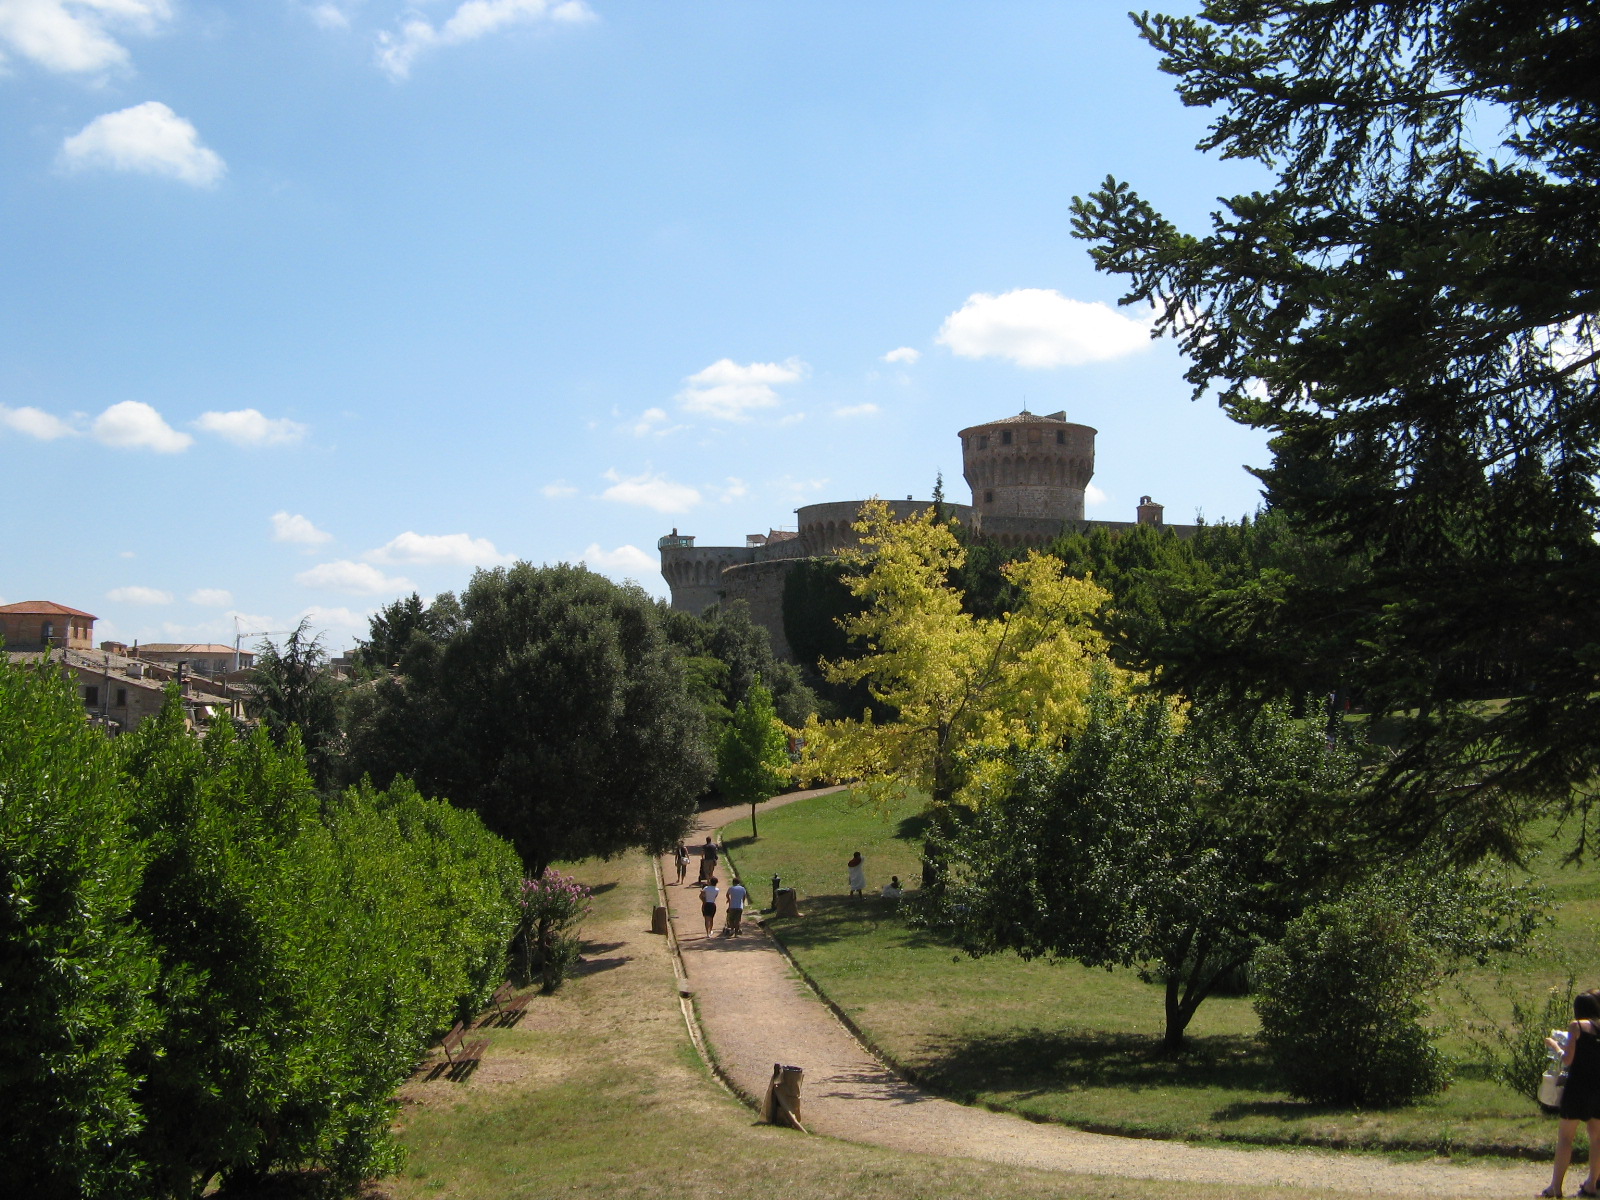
(45,608)
(187,648)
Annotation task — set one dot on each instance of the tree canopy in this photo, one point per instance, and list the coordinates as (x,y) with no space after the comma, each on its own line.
(1410,311)
(554,707)
(952,681)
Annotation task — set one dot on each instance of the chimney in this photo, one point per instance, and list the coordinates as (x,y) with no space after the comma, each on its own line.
(1149,511)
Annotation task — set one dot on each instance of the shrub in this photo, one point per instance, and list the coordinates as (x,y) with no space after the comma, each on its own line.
(547,942)
(76,973)
(1340,999)
(1514,1052)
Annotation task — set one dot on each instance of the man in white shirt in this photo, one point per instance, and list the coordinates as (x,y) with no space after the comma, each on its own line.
(708,902)
(736,901)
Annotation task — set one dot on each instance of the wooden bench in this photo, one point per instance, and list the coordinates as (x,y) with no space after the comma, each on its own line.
(461,1054)
(507,1004)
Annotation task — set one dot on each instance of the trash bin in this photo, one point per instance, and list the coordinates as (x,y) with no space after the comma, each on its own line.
(781,1105)
(785,903)
(658,919)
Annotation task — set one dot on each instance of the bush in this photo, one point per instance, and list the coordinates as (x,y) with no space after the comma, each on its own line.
(1341,1002)
(547,943)
(1515,1053)
(75,972)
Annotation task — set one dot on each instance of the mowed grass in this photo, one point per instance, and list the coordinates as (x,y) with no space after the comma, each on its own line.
(598,1091)
(1066,1043)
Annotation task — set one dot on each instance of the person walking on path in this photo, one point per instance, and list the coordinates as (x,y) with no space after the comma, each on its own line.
(708,859)
(680,859)
(708,903)
(1580,1100)
(736,901)
(858,875)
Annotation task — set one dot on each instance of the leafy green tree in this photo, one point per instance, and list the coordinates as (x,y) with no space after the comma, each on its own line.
(1411,312)
(76,973)
(556,710)
(291,689)
(391,627)
(726,635)
(753,753)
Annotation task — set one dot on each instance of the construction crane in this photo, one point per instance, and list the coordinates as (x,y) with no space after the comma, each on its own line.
(240,634)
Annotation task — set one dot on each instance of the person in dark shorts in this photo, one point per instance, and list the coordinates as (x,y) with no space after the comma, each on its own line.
(708,903)
(1580,1101)
(736,901)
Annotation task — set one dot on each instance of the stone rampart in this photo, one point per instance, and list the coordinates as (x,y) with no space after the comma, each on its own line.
(760,585)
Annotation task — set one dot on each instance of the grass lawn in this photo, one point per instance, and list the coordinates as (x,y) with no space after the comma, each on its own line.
(1066,1043)
(598,1091)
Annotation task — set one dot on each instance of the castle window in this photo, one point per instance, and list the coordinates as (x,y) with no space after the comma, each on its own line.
(1061,437)
(988,497)
(983,441)
(1005,437)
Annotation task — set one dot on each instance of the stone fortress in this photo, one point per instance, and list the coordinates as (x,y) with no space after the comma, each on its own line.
(1028,475)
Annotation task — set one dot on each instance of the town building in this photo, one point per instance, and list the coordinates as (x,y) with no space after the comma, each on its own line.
(36,624)
(212,660)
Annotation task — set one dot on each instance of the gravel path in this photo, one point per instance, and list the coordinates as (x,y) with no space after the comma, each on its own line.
(755,1012)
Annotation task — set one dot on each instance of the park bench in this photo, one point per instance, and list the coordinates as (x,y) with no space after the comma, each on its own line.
(509,1006)
(461,1054)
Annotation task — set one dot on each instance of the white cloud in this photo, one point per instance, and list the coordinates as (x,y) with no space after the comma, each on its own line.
(651,491)
(1036,327)
(559,489)
(856,410)
(471,21)
(339,621)
(361,579)
(1093,497)
(134,425)
(627,561)
(149,138)
(247,427)
(329,16)
(736,490)
(791,419)
(294,528)
(653,420)
(904,354)
(729,391)
(35,422)
(211,597)
(72,37)
(139,595)
(431,548)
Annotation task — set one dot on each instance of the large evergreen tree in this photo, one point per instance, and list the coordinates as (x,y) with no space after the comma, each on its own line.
(1411,312)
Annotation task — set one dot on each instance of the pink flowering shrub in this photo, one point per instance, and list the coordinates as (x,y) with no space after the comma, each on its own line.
(547,942)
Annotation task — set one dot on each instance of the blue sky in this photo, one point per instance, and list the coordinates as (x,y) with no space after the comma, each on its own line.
(306,304)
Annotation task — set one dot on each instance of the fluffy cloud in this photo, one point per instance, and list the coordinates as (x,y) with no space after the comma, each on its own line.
(653,420)
(359,579)
(329,16)
(139,595)
(904,354)
(471,21)
(736,490)
(628,561)
(247,427)
(35,422)
(651,491)
(559,490)
(458,549)
(73,37)
(729,391)
(134,425)
(149,138)
(287,527)
(338,620)
(1093,497)
(1036,327)
(856,410)
(211,597)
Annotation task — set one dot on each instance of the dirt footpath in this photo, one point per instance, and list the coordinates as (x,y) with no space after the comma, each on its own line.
(755,1012)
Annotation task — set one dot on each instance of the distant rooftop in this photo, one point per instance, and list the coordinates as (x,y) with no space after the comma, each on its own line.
(46,608)
(185,648)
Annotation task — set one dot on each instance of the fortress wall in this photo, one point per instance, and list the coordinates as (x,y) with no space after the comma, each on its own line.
(694,573)
(760,585)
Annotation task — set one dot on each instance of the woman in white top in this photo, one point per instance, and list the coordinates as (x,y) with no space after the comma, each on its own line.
(708,903)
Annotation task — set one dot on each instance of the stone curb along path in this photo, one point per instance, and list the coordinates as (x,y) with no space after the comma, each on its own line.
(755,1011)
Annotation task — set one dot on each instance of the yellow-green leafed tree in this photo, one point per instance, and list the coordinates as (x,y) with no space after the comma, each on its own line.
(957,683)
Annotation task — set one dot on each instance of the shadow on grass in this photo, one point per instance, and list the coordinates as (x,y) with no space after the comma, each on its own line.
(600,889)
(913,828)
(832,918)
(1037,1061)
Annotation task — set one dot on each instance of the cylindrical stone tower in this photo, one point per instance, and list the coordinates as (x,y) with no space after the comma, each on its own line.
(1028,466)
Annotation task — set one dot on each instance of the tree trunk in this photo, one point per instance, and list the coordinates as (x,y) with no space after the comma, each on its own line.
(1173,1040)
(753,834)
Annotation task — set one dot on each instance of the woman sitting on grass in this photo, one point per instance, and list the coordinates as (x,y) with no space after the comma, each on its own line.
(1580,1101)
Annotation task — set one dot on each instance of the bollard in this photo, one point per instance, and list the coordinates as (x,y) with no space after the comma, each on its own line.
(781,1105)
(777,884)
(658,919)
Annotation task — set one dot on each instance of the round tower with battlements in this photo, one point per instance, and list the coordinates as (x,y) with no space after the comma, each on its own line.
(1028,466)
